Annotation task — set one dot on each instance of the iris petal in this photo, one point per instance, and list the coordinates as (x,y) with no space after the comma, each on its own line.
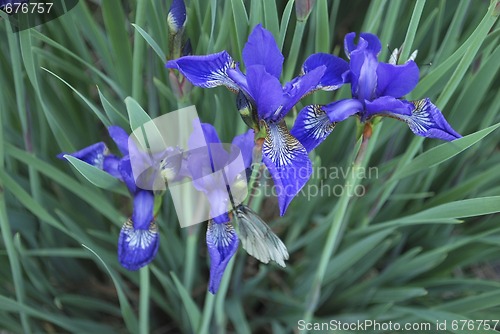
(387,105)
(396,80)
(261,49)
(120,137)
(426,120)
(287,161)
(312,126)
(110,165)
(137,247)
(265,89)
(298,88)
(206,71)
(245,142)
(222,244)
(366,40)
(142,213)
(340,110)
(367,78)
(125,169)
(335,68)
(93,154)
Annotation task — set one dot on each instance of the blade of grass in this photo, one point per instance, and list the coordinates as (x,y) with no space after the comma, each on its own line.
(128,315)
(412,30)
(138,53)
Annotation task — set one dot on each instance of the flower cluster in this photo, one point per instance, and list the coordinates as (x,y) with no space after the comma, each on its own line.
(377,89)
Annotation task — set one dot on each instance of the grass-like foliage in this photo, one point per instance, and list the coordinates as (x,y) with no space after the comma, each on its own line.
(410,235)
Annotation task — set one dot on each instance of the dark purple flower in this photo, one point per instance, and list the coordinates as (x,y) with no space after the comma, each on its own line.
(285,157)
(138,241)
(376,89)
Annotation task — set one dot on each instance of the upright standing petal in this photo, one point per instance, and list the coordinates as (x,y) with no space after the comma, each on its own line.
(334,75)
(367,41)
(266,91)
(120,137)
(396,80)
(222,243)
(287,161)
(298,88)
(261,49)
(206,71)
(364,88)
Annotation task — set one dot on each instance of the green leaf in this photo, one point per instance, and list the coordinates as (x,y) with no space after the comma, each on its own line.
(95,175)
(136,115)
(92,107)
(442,153)
(460,209)
(128,315)
(151,42)
(285,19)
(192,310)
(114,115)
(240,22)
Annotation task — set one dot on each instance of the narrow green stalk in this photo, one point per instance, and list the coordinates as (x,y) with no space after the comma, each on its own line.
(412,30)
(220,298)
(291,61)
(138,54)
(337,216)
(191,249)
(144,300)
(207,312)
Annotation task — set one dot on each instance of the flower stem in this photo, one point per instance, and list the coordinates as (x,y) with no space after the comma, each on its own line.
(144,300)
(337,217)
(207,313)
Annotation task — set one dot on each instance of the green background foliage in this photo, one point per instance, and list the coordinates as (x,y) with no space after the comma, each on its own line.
(421,245)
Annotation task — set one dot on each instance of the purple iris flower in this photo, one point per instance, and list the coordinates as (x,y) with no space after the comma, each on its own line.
(285,157)
(376,89)
(203,163)
(138,241)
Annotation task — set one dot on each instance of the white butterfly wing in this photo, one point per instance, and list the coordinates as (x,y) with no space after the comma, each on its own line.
(258,239)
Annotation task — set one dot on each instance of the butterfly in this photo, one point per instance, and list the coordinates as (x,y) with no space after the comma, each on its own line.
(258,239)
